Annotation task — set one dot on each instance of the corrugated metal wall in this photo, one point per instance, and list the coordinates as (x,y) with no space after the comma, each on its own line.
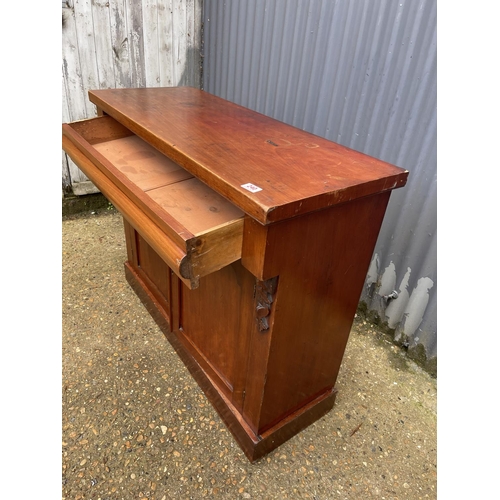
(124,43)
(361,73)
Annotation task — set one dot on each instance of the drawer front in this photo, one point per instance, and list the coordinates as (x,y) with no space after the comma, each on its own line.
(191,227)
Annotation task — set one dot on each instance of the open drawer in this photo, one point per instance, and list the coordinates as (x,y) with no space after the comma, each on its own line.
(193,229)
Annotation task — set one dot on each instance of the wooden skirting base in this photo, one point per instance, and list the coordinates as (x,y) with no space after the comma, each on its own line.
(254,446)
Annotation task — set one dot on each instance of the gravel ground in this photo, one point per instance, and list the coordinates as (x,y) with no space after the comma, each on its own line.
(136,426)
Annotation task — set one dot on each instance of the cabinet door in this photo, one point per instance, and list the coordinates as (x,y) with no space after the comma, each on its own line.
(216,322)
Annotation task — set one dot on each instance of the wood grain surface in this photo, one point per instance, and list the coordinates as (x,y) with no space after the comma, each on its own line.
(228,146)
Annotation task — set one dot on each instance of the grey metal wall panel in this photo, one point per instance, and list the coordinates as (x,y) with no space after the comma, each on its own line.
(361,73)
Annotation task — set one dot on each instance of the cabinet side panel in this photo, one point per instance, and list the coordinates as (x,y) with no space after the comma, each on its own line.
(322,259)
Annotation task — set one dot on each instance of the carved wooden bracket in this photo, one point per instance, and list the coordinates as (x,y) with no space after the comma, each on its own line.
(265,292)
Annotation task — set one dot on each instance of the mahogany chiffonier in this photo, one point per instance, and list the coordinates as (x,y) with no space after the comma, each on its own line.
(248,240)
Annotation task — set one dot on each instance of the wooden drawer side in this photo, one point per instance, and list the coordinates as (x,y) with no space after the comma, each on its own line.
(156,238)
(168,224)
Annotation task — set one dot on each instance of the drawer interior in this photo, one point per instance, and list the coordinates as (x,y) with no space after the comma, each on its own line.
(197,207)
(194,229)
(144,165)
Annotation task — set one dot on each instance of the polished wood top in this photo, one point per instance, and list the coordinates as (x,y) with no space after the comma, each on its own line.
(269,169)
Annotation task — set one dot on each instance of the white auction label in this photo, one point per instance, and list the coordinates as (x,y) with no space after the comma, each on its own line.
(251,187)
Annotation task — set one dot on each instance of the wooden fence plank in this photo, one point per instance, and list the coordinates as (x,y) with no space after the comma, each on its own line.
(151,43)
(165,43)
(85,41)
(136,42)
(72,73)
(103,44)
(124,43)
(190,28)
(179,46)
(74,98)
(120,42)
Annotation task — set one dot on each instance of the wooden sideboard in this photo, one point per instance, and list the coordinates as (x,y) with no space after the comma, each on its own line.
(248,241)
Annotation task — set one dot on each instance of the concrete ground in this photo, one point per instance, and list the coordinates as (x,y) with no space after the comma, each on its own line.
(136,425)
